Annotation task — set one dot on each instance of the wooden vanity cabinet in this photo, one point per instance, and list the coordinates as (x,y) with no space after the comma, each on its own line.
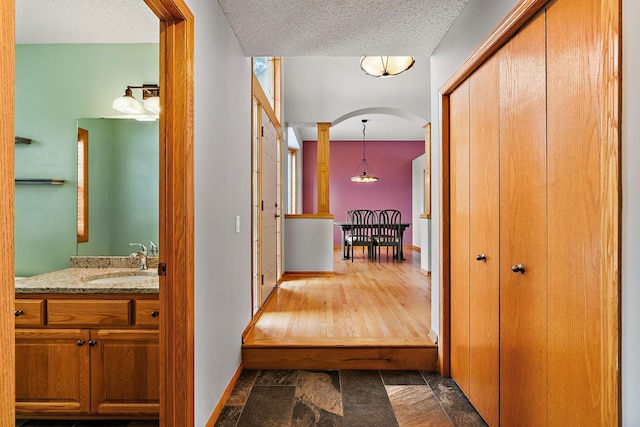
(87,355)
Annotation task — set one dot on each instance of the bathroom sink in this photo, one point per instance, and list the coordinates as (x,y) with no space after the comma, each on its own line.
(124,277)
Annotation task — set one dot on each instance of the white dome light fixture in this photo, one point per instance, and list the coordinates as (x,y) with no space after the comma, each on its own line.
(127,104)
(386,66)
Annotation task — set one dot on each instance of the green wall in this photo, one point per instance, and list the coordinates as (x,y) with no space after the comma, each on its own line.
(56,85)
(123,185)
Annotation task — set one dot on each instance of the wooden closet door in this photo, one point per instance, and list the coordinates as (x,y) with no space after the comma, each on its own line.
(579,335)
(523,229)
(459,207)
(484,182)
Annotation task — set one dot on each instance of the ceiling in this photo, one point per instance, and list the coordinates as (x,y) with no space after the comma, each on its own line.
(335,32)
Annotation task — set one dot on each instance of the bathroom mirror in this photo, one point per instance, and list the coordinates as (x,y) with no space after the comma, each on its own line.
(123,193)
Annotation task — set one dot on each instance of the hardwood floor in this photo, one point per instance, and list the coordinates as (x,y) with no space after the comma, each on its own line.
(368,315)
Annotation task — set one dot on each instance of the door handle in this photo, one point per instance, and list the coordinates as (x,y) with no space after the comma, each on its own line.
(481,257)
(518,268)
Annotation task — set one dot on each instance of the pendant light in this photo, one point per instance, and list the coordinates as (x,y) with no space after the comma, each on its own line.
(361,174)
(385,66)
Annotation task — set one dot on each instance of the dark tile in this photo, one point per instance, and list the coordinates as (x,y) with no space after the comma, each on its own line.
(318,399)
(362,388)
(268,406)
(20,423)
(145,423)
(453,401)
(369,416)
(229,416)
(277,377)
(402,378)
(241,390)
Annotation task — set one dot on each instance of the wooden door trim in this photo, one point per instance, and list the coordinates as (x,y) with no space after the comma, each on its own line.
(176,212)
(610,114)
(7,288)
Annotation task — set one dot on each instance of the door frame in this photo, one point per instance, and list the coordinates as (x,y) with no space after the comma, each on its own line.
(176,211)
(610,114)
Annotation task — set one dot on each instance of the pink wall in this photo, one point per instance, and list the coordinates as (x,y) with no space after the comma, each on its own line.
(389,160)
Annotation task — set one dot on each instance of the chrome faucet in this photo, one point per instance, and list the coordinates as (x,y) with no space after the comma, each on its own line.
(142,254)
(153,248)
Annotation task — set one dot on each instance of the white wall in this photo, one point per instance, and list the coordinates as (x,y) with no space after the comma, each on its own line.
(475,22)
(417,201)
(222,191)
(630,214)
(308,244)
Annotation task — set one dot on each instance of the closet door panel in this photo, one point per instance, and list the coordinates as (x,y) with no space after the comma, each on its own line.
(523,229)
(459,207)
(576,320)
(484,184)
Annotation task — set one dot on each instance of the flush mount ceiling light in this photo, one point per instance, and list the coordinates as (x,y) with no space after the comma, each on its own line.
(385,66)
(361,174)
(127,104)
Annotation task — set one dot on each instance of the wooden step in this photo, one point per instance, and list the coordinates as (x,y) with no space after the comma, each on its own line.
(341,353)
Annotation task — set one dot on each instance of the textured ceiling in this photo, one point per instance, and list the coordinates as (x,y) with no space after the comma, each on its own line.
(340,27)
(85,21)
(338,30)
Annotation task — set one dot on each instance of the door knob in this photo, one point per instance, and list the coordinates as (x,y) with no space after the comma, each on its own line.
(481,257)
(518,268)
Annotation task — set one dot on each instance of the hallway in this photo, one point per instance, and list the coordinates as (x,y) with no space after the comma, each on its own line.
(367,315)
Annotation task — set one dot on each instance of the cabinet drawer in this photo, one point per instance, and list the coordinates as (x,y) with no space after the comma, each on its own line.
(87,313)
(29,312)
(147,313)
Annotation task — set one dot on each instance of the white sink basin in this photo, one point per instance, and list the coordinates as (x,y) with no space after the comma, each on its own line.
(121,278)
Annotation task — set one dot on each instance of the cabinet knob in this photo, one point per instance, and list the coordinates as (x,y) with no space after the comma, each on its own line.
(155,314)
(92,343)
(80,342)
(481,257)
(518,268)
(18,313)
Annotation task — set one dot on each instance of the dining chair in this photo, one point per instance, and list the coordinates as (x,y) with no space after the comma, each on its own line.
(389,232)
(361,233)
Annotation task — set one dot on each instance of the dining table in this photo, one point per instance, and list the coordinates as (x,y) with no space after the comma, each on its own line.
(345,227)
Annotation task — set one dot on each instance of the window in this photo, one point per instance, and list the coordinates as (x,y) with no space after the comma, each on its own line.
(292,160)
(83,185)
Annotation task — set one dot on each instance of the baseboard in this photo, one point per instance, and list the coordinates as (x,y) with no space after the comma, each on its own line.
(425,272)
(433,336)
(293,275)
(225,396)
(415,248)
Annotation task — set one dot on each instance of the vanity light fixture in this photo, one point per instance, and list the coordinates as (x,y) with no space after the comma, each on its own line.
(129,105)
(385,66)
(361,174)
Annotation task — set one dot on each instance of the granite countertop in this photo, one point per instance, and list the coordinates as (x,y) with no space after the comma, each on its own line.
(78,279)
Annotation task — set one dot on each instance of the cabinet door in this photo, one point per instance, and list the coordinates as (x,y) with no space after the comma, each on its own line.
(52,371)
(484,203)
(125,372)
(523,228)
(459,229)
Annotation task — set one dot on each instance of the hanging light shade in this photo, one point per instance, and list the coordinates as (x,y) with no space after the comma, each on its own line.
(385,66)
(128,104)
(152,104)
(361,174)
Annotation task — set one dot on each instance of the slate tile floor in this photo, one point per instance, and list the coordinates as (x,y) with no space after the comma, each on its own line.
(347,398)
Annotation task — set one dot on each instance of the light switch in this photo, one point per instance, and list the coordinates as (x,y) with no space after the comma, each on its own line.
(237,224)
